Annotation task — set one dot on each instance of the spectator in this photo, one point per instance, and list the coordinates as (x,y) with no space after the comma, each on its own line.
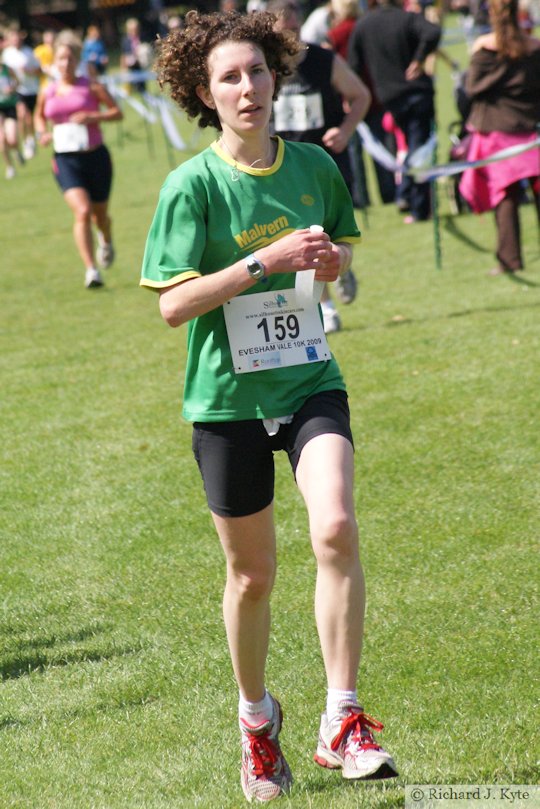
(344,14)
(393,45)
(503,84)
(94,54)
(174,22)
(44,53)
(315,27)
(135,55)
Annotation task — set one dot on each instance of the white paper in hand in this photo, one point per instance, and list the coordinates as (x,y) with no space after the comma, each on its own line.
(308,290)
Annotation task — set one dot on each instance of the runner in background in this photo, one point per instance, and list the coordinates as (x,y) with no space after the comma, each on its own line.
(8,118)
(21,60)
(322,102)
(75,106)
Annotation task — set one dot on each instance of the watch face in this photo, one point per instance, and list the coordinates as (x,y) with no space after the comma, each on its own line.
(255,267)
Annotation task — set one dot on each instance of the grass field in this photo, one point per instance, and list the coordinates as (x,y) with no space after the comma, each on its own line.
(116,691)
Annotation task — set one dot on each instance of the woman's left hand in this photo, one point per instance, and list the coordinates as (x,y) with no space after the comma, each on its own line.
(328,268)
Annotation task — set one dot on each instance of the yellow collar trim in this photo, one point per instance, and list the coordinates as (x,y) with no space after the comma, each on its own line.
(241,168)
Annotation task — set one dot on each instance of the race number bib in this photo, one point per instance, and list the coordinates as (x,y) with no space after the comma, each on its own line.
(272,330)
(70,138)
(298,113)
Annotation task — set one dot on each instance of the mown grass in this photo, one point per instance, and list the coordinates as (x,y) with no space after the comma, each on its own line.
(116,689)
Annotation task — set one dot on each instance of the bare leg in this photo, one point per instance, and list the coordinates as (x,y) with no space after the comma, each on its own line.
(102,220)
(3,143)
(250,550)
(79,202)
(325,478)
(10,136)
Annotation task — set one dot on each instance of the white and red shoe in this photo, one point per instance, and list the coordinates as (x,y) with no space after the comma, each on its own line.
(265,773)
(346,742)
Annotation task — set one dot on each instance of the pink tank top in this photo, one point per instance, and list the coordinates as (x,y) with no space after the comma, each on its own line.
(59,107)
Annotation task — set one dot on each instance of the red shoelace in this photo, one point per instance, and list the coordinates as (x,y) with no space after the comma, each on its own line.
(264,754)
(360,726)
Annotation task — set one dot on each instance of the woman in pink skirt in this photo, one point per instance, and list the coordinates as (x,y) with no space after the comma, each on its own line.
(503,83)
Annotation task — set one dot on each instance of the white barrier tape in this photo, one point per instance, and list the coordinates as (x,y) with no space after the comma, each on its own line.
(425,175)
(160,104)
(169,127)
(374,147)
(308,290)
(419,167)
(119,92)
(128,77)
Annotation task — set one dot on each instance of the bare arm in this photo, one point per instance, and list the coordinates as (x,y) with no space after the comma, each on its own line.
(112,111)
(357,99)
(40,123)
(301,250)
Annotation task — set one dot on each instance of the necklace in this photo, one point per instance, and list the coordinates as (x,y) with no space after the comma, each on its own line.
(235,172)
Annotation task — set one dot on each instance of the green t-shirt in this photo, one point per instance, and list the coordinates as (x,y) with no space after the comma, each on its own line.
(8,95)
(210,214)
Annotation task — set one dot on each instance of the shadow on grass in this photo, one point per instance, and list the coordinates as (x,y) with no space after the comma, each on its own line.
(450,225)
(57,638)
(117,702)
(408,321)
(384,794)
(43,653)
(520,280)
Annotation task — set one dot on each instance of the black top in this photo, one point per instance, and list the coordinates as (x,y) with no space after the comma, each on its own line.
(308,104)
(386,40)
(505,93)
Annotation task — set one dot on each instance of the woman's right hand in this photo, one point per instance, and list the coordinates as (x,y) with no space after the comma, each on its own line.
(45,139)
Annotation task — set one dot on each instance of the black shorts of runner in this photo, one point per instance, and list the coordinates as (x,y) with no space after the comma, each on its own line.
(8,112)
(89,170)
(29,101)
(236,458)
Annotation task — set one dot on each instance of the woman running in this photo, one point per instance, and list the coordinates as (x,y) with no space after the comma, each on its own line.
(75,107)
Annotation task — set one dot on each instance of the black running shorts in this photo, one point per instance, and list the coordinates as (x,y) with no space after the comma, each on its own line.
(236,460)
(89,170)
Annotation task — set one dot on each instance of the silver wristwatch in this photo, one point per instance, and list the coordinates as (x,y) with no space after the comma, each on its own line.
(255,268)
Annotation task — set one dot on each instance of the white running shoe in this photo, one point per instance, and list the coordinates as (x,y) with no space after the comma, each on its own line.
(105,254)
(346,742)
(265,774)
(331,321)
(29,149)
(93,278)
(10,172)
(346,287)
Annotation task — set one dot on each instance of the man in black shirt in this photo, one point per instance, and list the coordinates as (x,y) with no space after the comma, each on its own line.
(393,45)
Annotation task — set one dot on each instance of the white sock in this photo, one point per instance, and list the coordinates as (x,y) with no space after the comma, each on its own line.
(256,713)
(336,697)
(328,306)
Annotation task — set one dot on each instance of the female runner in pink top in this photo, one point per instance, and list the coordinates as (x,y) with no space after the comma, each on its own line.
(75,106)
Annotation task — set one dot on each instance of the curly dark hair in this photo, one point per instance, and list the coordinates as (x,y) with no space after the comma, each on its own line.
(182,60)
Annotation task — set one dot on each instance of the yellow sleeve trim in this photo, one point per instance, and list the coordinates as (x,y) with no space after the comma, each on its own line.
(349,239)
(170,282)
